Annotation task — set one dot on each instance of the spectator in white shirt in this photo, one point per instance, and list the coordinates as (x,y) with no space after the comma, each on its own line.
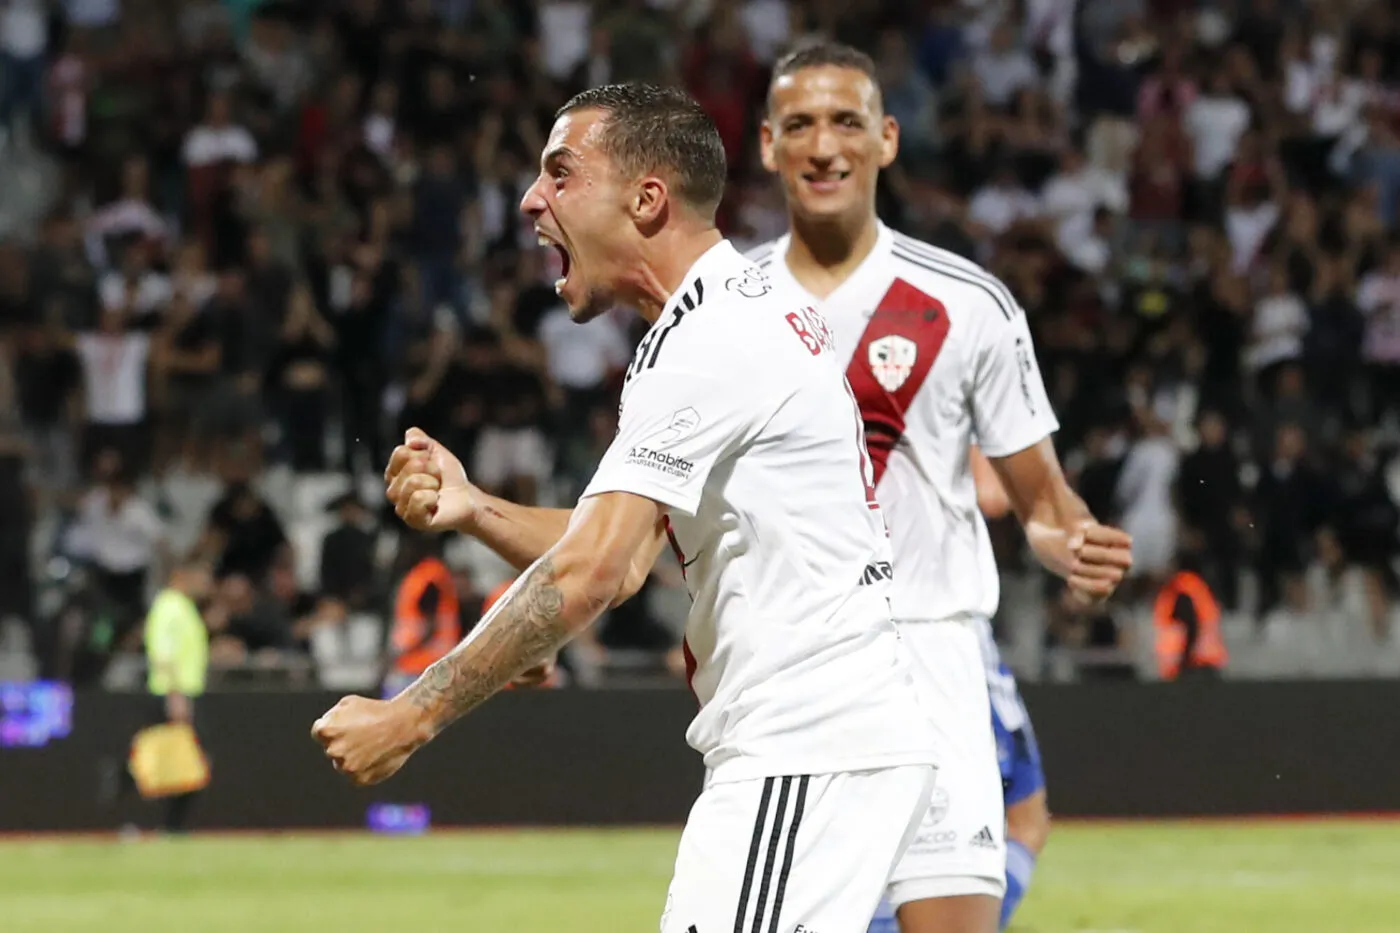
(1003,68)
(1089,247)
(1003,202)
(1144,496)
(566,28)
(582,359)
(1279,325)
(130,214)
(1252,208)
(1379,300)
(380,125)
(218,139)
(135,290)
(1072,195)
(276,61)
(1331,102)
(122,538)
(114,363)
(1215,121)
(768,24)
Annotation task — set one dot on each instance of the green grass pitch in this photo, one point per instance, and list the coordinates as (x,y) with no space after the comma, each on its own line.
(1095,878)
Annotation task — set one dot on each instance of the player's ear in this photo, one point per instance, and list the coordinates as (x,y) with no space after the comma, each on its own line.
(889,140)
(649,200)
(765,146)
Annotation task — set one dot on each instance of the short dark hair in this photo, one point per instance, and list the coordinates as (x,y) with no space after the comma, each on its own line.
(660,129)
(822,53)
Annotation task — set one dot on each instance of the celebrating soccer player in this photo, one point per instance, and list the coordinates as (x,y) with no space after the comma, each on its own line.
(740,444)
(940,358)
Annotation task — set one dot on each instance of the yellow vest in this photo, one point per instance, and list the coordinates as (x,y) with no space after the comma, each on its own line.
(178,642)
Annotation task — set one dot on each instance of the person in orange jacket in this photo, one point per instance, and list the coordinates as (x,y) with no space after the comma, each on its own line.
(1186,617)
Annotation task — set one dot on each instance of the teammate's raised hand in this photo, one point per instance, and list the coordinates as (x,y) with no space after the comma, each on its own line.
(1103,555)
(428,485)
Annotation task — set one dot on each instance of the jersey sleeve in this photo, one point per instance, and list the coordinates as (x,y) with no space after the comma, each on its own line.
(1010,407)
(674,428)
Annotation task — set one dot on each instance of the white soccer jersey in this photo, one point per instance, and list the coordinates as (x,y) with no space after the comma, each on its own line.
(736,417)
(939,356)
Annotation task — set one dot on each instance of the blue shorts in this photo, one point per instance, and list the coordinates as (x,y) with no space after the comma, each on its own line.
(1017,752)
(1019,758)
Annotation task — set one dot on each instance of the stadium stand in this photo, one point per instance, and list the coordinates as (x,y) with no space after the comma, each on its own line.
(244,244)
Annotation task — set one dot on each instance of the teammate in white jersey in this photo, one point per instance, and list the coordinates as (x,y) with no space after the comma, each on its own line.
(739,442)
(940,358)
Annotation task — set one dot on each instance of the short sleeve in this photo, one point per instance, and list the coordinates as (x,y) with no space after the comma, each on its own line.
(1010,407)
(673,430)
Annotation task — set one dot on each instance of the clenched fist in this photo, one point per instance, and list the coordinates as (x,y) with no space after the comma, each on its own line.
(1103,555)
(428,486)
(369,740)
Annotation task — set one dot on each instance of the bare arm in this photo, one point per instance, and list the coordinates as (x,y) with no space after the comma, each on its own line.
(558,597)
(430,491)
(991,495)
(521,534)
(1059,527)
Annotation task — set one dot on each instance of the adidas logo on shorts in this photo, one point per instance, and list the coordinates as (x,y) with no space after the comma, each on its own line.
(983,840)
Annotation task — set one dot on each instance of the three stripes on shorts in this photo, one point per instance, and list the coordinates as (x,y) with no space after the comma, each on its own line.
(781,837)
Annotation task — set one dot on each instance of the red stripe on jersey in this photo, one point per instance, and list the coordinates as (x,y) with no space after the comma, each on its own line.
(690,666)
(675,545)
(902,339)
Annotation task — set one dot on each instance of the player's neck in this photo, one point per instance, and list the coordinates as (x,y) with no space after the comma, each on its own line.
(661,270)
(823,254)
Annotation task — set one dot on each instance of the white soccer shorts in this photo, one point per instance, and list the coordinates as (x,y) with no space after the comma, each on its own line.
(794,854)
(960,847)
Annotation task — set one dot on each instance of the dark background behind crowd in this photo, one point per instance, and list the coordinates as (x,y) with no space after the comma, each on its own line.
(244,244)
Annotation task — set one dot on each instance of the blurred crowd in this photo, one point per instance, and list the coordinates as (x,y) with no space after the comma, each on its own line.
(274,234)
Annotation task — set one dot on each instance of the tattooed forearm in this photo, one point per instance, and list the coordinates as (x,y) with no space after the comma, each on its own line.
(523,627)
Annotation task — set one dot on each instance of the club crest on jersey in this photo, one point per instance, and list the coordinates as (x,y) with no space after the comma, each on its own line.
(752,284)
(892,360)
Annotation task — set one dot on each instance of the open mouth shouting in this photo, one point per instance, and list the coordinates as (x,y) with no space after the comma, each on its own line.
(565,260)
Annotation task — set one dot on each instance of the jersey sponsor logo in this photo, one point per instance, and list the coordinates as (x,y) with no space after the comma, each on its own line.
(669,464)
(682,424)
(945,840)
(983,840)
(892,359)
(752,284)
(877,571)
